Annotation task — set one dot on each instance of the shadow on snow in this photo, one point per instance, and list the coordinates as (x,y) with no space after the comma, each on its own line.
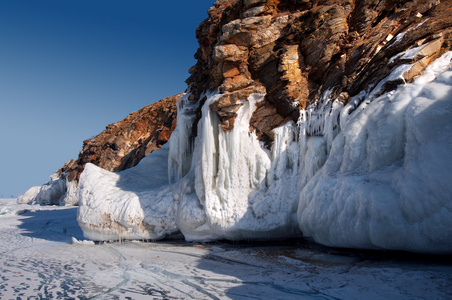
(58,225)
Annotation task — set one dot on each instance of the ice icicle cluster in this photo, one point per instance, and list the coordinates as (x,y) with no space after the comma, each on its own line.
(318,125)
(386,182)
(181,145)
(237,181)
(225,185)
(374,173)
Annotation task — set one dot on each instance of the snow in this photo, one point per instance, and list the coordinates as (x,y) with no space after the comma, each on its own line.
(39,259)
(411,53)
(82,242)
(386,182)
(371,174)
(395,75)
(52,192)
(225,193)
(29,196)
(134,204)
(400,36)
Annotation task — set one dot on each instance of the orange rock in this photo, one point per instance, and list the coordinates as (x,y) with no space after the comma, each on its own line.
(231,72)
(123,144)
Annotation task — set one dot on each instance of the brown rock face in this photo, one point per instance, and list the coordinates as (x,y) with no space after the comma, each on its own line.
(295,50)
(123,144)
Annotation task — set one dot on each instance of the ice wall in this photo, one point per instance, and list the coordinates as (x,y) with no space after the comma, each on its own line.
(372,174)
(221,185)
(387,180)
(238,189)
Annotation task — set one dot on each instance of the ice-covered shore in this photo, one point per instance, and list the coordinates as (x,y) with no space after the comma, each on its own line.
(43,256)
(373,174)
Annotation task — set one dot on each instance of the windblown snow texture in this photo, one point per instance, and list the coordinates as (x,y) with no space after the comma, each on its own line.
(372,174)
(44,256)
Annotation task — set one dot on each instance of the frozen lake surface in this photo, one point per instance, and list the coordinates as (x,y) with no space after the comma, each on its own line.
(43,256)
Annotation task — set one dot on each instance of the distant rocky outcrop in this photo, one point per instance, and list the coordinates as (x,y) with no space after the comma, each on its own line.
(123,144)
(120,146)
(295,50)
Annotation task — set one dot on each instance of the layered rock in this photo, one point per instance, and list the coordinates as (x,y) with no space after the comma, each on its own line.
(294,51)
(120,146)
(123,144)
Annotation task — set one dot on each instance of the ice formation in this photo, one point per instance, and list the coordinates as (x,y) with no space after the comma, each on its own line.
(134,204)
(220,185)
(231,189)
(386,183)
(53,192)
(372,174)
(29,196)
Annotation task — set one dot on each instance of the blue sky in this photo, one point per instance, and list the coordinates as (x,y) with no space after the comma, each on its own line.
(69,68)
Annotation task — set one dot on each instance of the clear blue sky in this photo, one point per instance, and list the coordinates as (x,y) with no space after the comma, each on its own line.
(69,68)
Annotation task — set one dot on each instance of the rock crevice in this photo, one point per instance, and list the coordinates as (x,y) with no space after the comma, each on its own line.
(297,50)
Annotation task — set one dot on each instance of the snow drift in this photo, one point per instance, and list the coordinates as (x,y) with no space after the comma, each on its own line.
(372,174)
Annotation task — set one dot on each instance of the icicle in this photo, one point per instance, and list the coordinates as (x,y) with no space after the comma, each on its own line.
(181,147)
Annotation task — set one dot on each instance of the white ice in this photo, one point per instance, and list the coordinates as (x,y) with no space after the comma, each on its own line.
(53,192)
(386,183)
(224,193)
(236,181)
(372,174)
(134,204)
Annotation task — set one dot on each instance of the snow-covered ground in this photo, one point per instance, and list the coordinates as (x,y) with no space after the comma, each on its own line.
(43,256)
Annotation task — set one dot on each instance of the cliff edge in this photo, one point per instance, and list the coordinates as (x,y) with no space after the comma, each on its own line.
(120,146)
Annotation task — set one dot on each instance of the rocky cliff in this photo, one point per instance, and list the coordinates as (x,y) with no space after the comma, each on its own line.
(119,147)
(123,144)
(324,119)
(295,50)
